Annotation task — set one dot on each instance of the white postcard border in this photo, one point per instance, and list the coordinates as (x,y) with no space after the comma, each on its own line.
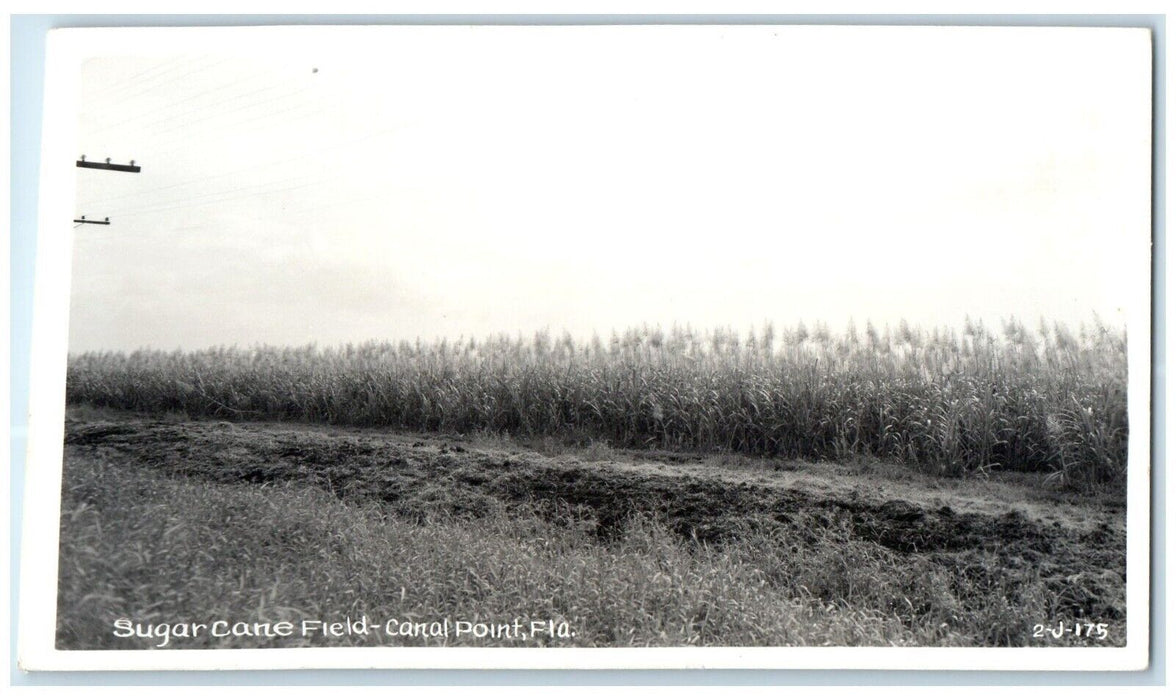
(66,49)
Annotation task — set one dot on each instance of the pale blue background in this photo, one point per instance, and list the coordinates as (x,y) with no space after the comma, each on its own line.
(28,53)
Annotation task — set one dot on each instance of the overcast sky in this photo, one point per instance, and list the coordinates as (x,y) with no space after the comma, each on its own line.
(424,182)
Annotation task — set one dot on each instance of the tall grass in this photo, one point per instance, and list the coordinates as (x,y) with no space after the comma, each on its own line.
(138,544)
(951,401)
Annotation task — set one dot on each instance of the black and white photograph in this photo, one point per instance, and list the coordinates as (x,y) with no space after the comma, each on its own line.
(592,346)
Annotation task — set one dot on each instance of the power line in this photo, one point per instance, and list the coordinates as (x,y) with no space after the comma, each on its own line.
(296,156)
(155,86)
(82,163)
(318,206)
(129,83)
(194,200)
(215,108)
(188,125)
(223,199)
(218,108)
(192,129)
(181,66)
(163,108)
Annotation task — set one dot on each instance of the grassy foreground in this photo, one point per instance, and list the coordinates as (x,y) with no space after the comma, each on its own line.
(186,521)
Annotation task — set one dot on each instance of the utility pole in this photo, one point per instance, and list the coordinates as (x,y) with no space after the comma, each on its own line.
(117,167)
(132,168)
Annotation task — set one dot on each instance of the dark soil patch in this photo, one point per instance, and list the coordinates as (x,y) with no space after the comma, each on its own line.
(430,479)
